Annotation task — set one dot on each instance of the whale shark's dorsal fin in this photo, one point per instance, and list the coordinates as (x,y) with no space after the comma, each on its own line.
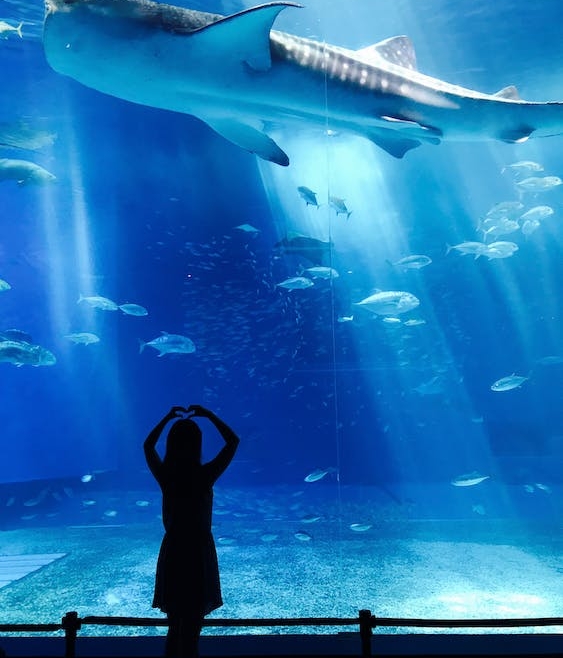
(508,92)
(395,50)
(246,34)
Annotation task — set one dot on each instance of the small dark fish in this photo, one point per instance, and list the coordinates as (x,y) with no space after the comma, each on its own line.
(310,518)
(319,474)
(469,479)
(295,244)
(16,334)
(308,196)
(340,206)
(36,500)
(303,536)
(133,309)
(226,541)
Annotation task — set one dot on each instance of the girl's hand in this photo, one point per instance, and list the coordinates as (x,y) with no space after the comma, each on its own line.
(198,410)
(177,412)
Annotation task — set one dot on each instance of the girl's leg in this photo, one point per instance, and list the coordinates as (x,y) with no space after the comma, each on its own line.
(191,630)
(182,640)
(173,644)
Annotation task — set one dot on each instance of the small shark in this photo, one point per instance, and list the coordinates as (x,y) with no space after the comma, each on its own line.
(243,78)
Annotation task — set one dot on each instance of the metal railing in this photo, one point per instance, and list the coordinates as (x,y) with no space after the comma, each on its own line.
(71,624)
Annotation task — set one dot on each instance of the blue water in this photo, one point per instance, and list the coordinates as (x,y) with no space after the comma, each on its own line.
(145,210)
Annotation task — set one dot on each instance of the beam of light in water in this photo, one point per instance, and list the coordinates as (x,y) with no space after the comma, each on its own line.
(57,261)
(67,229)
(428,406)
(69,218)
(417,379)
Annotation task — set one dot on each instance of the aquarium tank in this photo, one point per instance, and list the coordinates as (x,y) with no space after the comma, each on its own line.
(338,226)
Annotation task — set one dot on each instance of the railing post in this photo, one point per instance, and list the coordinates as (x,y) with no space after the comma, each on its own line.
(71,625)
(365,632)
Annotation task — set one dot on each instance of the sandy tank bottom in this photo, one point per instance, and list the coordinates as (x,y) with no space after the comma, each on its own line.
(418,569)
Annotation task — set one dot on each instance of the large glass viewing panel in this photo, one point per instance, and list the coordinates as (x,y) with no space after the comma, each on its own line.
(384,333)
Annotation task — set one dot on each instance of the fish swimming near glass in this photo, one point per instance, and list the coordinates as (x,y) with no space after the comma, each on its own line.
(82,338)
(469,479)
(237,74)
(308,196)
(508,383)
(389,302)
(24,172)
(169,344)
(295,283)
(303,246)
(21,353)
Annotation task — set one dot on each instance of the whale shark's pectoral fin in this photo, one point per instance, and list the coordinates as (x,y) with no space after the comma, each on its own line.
(245,35)
(388,141)
(396,50)
(249,138)
(516,135)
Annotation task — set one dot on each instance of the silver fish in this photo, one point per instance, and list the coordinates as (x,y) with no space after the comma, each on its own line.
(134,309)
(83,338)
(474,248)
(523,167)
(318,474)
(530,226)
(24,172)
(247,228)
(539,183)
(501,249)
(97,301)
(6,28)
(414,262)
(469,479)
(360,527)
(22,353)
(308,196)
(339,205)
(322,272)
(169,344)
(389,302)
(537,212)
(508,383)
(295,283)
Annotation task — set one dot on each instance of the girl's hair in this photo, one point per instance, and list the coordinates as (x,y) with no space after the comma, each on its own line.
(183,444)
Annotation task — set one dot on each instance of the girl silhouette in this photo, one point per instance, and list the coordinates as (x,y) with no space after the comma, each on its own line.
(187,585)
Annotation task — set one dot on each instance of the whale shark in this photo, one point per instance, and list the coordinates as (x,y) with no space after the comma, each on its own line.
(246,80)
